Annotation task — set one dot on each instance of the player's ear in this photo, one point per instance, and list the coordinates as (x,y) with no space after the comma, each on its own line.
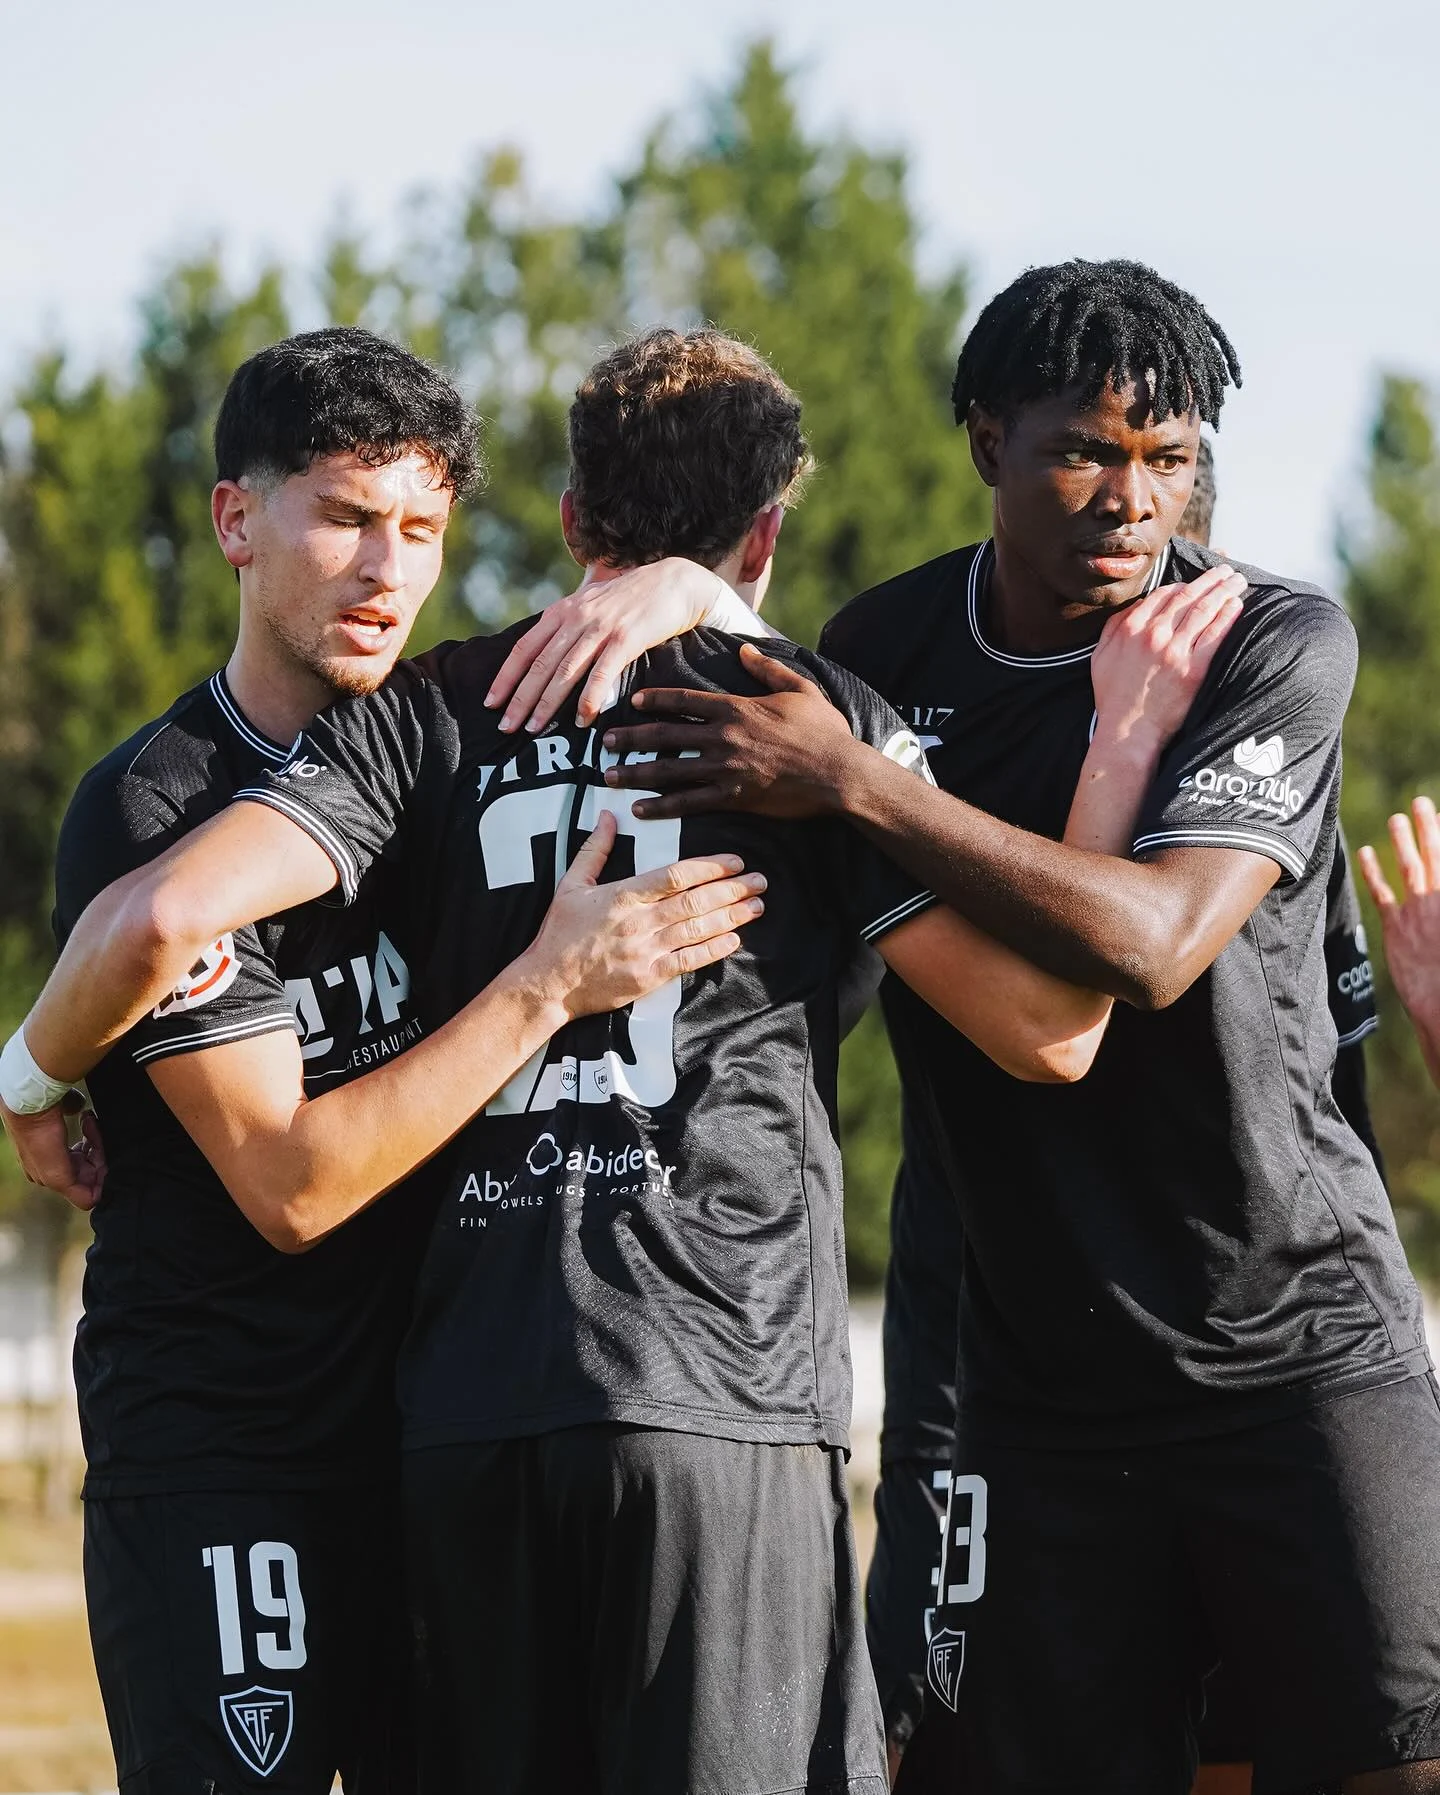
(567,526)
(760,544)
(987,439)
(231,505)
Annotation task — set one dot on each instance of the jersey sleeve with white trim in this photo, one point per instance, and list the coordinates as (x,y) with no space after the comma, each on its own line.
(1257,766)
(233,991)
(358,767)
(877,895)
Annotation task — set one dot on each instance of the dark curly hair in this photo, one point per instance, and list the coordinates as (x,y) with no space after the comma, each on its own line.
(676,444)
(342,389)
(1081,324)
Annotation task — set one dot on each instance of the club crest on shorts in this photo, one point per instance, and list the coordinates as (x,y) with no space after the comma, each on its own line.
(258,1722)
(943,1664)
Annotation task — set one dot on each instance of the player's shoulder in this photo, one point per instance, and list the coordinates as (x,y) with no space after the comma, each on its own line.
(156,772)
(871,617)
(1278,607)
(462,665)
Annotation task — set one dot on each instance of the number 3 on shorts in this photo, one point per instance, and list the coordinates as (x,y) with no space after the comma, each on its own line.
(966,1512)
(287,1605)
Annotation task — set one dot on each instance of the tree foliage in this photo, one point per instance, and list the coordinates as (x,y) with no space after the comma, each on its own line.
(1392,751)
(113,597)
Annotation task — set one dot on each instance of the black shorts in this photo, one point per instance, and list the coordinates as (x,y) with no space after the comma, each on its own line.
(1085,1595)
(634,1612)
(900,1589)
(248,1641)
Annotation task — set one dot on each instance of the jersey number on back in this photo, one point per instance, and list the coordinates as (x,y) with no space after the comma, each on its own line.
(508,828)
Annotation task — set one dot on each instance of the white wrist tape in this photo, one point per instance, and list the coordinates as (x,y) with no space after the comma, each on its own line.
(24,1087)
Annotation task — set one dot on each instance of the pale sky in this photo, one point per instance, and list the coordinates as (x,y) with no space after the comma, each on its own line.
(1279,159)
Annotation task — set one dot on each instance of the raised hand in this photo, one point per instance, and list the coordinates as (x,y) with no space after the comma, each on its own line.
(1152,657)
(598,630)
(773,755)
(42,1144)
(607,945)
(1411,925)
(1147,667)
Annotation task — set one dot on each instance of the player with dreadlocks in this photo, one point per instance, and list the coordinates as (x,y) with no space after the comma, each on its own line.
(1196,1415)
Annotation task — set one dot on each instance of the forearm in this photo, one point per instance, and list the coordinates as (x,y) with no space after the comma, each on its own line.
(1091,919)
(140,936)
(1117,773)
(351,1145)
(116,966)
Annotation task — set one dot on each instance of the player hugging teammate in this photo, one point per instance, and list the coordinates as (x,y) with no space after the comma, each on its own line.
(1195,1411)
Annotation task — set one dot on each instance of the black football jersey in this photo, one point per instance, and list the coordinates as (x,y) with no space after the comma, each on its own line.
(1191,1237)
(645,1225)
(927,1251)
(205,1358)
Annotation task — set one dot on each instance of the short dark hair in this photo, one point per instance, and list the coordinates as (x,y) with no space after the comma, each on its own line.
(677,443)
(1085,323)
(1198,516)
(338,390)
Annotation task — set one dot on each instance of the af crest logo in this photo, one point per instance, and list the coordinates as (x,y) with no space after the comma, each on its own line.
(944,1662)
(258,1723)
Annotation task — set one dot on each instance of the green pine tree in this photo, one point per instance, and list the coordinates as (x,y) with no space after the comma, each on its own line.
(1392,751)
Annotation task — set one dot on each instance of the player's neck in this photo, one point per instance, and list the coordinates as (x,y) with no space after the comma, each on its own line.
(277,694)
(1023,614)
(751,592)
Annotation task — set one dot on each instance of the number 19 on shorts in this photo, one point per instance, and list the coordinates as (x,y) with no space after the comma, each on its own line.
(274,1595)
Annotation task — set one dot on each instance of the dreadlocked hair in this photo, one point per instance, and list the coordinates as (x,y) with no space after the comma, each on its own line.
(1081,324)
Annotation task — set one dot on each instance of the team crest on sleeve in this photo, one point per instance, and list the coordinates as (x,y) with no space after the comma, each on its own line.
(258,1723)
(905,747)
(943,1664)
(210,977)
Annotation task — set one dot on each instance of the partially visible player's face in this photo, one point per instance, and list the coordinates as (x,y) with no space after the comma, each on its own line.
(342,557)
(1088,496)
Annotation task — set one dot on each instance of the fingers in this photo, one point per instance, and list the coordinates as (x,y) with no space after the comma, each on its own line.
(691,959)
(1412,867)
(658,738)
(676,701)
(665,775)
(1218,628)
(1184,611)
(772,673)
(1169,603)
(95,1142)
(694,801)
(739,900)
(552,674)
(685,876)
(522,656)
(1375,880)
(589,862)
(605,676)
(1427,828)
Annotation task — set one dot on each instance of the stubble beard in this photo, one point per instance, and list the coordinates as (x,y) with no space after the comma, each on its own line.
(337,675)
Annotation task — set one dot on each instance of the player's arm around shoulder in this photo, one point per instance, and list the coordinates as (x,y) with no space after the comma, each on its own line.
(299,1167)
(1033,1025)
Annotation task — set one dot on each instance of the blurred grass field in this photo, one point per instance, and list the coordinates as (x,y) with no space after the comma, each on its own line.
(52,1728)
